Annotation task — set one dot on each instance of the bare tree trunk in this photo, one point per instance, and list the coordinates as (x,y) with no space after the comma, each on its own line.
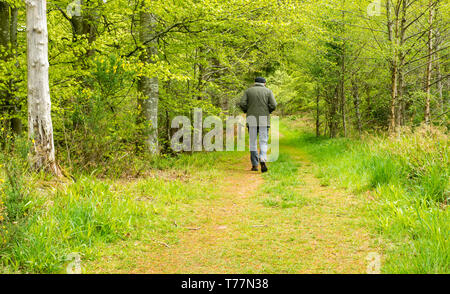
(318,113)
(394,81)
(429,64)
(437,46)
(39,105)
(343,101)
(357,102)
(401,62)
(333,119)
(440,85)
(368,115)
(149,87)
(342,81)
(393,37)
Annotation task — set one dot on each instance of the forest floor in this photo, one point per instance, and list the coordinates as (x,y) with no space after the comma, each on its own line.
(237,232)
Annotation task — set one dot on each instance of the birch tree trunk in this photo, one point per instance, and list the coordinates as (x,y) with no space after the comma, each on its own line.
(149,86)
(40,129)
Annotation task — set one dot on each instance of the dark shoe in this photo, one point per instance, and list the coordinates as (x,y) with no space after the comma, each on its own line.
(263,167)
(255,168)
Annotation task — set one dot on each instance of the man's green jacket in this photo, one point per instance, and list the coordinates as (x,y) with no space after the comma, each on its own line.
(258,101)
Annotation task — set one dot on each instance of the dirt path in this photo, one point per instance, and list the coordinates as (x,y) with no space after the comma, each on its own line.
(203,246)
(236,233)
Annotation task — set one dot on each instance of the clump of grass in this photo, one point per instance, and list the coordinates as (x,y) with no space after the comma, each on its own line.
(74,218)
(383,170)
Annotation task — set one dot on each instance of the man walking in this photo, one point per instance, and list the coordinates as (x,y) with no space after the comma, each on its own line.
(258,102)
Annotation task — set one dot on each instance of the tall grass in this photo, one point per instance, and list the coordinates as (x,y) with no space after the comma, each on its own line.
(43,221)
(408,176)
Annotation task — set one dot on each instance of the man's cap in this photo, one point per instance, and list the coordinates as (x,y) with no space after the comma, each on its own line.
(260,80)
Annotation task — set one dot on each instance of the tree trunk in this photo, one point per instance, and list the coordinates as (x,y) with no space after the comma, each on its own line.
(393,38)
(368,115)
(401,61)
(357,102)
(4,25)
(440,85)
(39,105)
(86,24)
(149,87)
(343,101)
(429,64)
(333,119)
(318,114)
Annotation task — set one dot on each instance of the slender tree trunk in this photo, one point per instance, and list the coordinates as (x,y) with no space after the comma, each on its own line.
(318,113)
(393,38)
(401,103)
(401,59)
(333,119)
(39,105)
(439,77)
(149,86)
(357,102)
(368,115)
(429,64)
(440,85)
(343,99)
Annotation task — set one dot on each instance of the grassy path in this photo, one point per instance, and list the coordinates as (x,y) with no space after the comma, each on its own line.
(237,232)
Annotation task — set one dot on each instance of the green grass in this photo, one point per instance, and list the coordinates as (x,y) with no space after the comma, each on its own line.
(42,221)
(409,178)
(85,215)
(280,184)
